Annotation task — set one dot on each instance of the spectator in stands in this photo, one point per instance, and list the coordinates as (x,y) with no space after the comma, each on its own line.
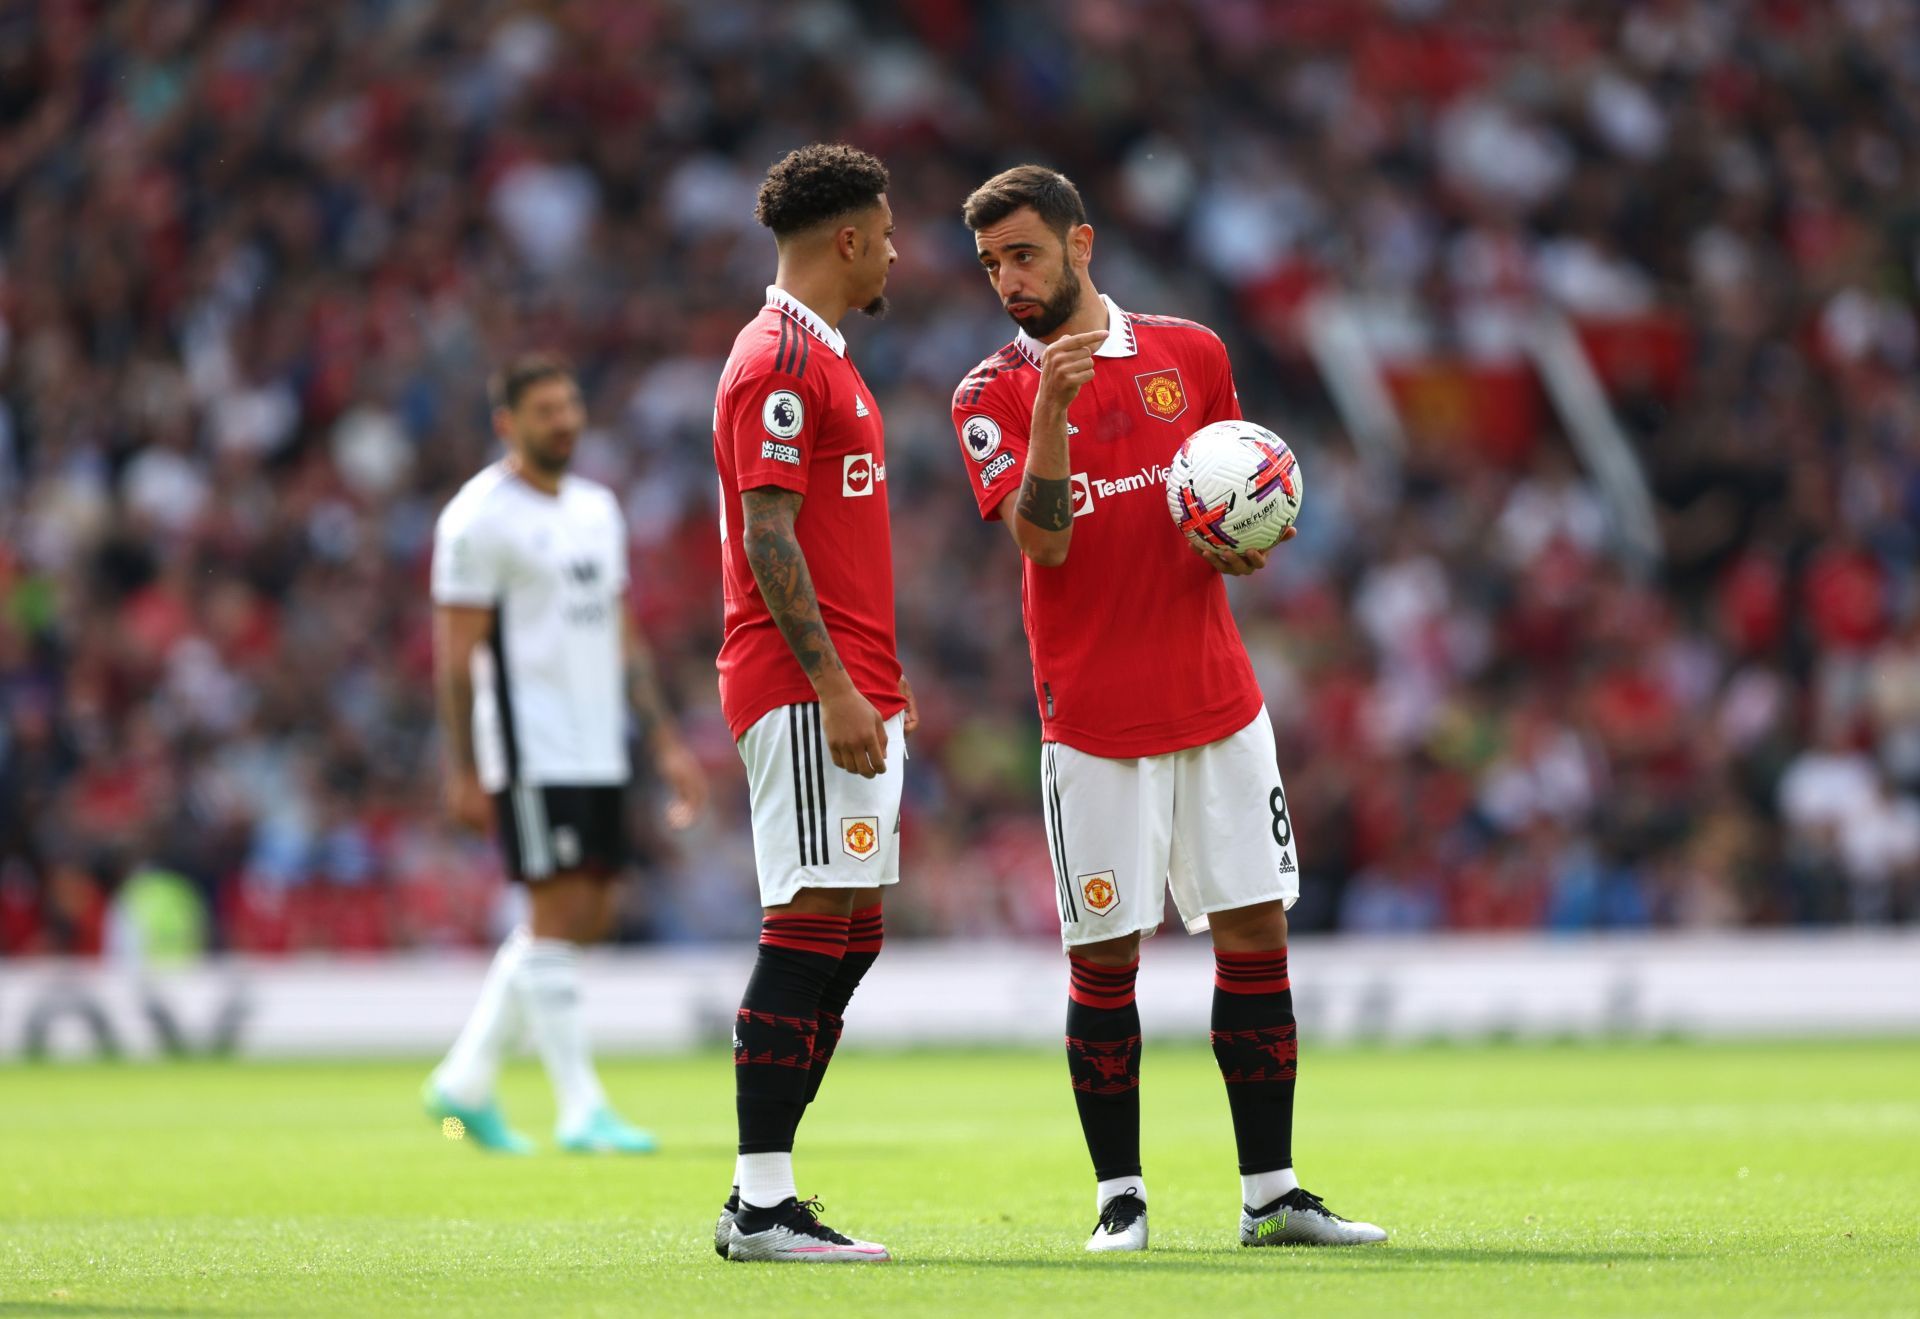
(254,259)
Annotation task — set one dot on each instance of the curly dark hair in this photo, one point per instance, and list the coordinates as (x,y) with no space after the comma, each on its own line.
(1050,193)
(818,183)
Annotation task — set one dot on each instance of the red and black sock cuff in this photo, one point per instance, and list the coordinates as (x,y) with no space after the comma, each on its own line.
(865,930)
(1251,973)
(1097,986)
(825,936)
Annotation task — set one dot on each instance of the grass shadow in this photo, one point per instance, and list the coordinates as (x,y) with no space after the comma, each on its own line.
(1383,1259)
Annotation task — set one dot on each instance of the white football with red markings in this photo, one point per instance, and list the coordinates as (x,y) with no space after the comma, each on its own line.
(1234,486)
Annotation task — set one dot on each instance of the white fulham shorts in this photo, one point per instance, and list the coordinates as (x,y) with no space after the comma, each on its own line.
(814,824)
(1210,821)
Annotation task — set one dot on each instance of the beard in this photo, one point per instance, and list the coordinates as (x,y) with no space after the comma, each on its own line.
(877,308)
(1054,312)
(547,456)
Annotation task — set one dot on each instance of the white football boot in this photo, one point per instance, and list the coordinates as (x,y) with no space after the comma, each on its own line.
(723,1229)
(1299,1219)
(1122,1225)
(791,1233)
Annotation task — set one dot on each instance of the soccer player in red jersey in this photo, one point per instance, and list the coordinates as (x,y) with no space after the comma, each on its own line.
(1158,764)
(810,680)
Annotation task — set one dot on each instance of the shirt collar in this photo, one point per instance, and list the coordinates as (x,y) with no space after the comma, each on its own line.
(826,334)
(1118,343)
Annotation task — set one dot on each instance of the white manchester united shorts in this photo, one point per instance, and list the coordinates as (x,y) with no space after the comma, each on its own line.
(1210,822)
(814,824)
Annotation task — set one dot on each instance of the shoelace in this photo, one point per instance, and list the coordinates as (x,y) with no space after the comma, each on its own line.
(807,1214)
(1110,1216)
(1312,1202)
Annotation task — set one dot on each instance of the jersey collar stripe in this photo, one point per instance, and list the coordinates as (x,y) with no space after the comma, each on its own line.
(817,328)
(1118,343)
(796,347)
(988,371)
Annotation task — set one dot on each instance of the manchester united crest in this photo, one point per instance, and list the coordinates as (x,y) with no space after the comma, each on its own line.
(1162,393)
(860,835)
(1099,892)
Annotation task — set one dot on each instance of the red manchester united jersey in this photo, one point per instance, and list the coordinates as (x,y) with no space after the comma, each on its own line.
(1135,652)
(793,412)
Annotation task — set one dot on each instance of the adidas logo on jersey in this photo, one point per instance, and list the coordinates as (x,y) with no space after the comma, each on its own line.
(859,406)
(1286,865)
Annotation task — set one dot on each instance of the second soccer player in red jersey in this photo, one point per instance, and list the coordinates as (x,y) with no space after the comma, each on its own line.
(809,678)
(1159,763)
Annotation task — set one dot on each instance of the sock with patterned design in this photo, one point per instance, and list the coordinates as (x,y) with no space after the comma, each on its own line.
(1103,1058)
(1255,1044)
(865,933)
(773,1033)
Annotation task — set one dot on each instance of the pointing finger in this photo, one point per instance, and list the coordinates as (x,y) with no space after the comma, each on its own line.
(1076,344)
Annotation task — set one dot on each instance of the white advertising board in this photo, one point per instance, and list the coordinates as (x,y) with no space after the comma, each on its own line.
(654,1000)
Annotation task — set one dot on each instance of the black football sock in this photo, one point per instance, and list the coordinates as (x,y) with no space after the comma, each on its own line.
(1103,1057)
(865,933)
(1255,1043)
(773,1033)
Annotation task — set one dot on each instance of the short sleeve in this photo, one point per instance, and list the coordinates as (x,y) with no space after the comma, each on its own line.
(775,419)
(993,441)
(1223,399)
(466,560)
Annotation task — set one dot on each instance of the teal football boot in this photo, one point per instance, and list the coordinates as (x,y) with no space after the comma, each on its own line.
(605,1132)
(485,1126)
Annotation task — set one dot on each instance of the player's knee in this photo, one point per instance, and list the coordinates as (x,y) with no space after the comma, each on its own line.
(589,925)
(817,902)
(571,907)
(1109,952)
(606,922)
(1250,929)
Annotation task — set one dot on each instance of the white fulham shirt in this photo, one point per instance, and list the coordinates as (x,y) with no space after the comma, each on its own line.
(549,687)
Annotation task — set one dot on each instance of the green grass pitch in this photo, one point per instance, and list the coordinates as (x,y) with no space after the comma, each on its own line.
(1643,1179)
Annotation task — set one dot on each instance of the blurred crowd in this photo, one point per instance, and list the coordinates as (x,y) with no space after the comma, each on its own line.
(257,258)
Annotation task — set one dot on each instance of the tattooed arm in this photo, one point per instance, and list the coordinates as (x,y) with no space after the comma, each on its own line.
(856,734)
(1042,522)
